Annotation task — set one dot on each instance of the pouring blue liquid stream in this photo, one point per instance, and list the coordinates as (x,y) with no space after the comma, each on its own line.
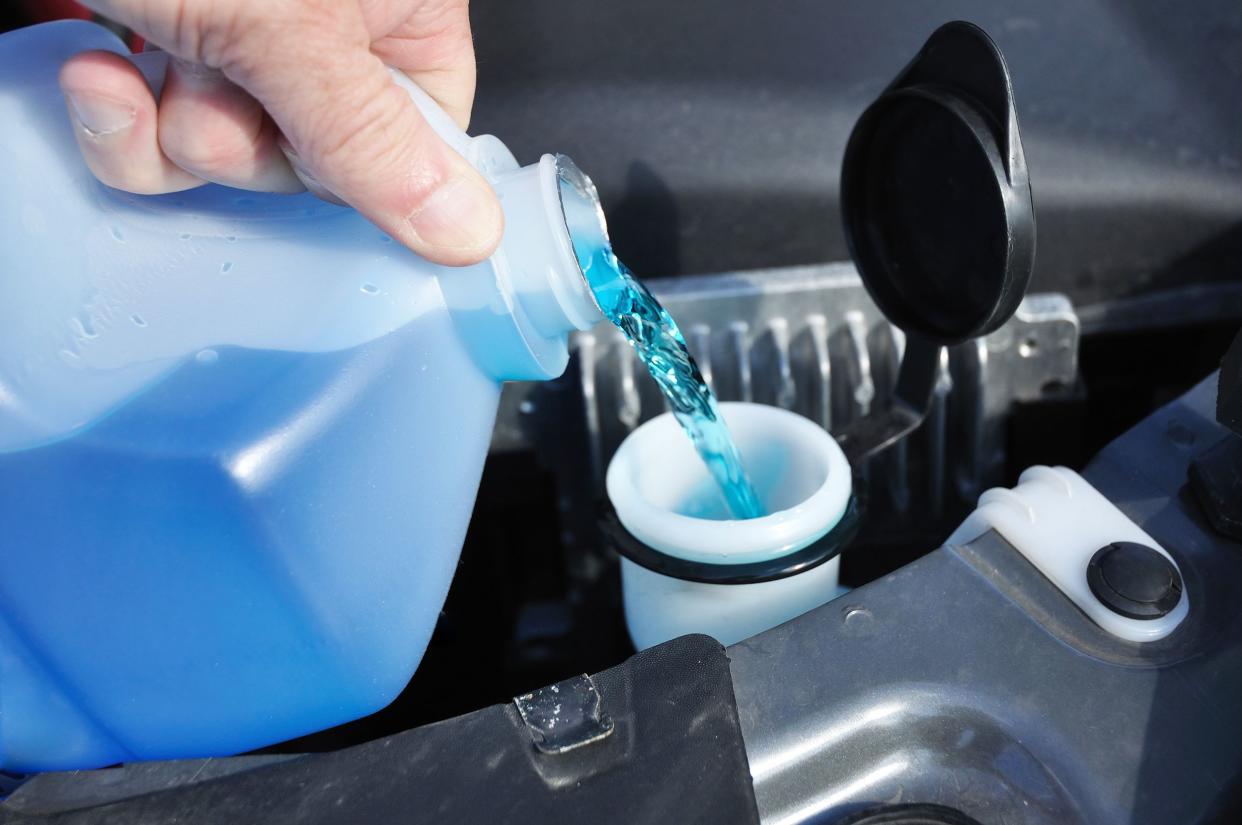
(661,347)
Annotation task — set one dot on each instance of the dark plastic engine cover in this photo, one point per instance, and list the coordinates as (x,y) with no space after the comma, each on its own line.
(674,754)
(968,679)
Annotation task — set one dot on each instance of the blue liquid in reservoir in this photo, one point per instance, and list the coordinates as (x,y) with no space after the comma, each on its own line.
(662,348)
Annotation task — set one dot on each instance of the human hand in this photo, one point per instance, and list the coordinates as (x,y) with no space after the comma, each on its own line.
(281,95)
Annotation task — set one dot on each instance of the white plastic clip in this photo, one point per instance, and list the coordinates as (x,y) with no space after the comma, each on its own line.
(1058,521)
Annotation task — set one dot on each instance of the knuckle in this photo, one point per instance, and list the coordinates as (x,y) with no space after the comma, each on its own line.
(213,149)
(382,141)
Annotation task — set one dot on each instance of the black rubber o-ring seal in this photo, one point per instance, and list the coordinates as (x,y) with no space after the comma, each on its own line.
(826,548)
(916,813)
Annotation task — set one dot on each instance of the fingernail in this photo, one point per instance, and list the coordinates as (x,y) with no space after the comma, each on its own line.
(100,116)
(462,214)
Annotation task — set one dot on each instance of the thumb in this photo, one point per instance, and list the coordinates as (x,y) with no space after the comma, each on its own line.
(352,131)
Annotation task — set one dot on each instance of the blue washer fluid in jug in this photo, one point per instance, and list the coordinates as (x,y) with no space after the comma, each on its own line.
(240,436)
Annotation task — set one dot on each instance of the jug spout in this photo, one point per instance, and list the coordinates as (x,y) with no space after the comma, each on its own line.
(517,308)
(559,213)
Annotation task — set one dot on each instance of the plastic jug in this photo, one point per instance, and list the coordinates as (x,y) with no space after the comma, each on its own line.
(240,435)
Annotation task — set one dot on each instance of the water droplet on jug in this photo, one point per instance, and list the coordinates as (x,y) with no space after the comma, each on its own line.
(370,289)
(226,266)
(185,236)
(385,238)
(207,356)
(138,320)
(84,326)
(117,234)
(230,238)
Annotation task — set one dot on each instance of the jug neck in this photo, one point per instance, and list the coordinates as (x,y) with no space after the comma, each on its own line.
(552,221)
(559,214)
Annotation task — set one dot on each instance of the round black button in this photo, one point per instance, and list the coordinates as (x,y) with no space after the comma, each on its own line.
(1134,580)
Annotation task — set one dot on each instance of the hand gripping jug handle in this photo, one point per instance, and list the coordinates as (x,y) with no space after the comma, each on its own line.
(240,434)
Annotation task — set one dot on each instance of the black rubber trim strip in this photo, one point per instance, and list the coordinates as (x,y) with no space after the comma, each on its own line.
(823,549)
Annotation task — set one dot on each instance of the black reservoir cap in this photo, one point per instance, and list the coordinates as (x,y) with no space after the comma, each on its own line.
(935,194)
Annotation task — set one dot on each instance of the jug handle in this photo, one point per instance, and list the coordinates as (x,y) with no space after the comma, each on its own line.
(153,64)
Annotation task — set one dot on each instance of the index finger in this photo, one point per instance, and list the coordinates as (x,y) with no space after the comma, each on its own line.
(434,48)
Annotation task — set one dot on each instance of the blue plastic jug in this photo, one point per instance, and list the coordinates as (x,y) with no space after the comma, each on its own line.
(240,435)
